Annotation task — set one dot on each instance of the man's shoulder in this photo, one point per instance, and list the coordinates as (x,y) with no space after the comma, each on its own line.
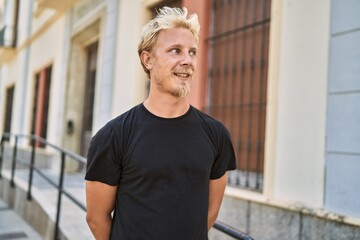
(118,123)
(207,119)
(125,117)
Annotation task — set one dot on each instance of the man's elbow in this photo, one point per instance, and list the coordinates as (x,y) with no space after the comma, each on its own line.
(92,221)
(99,225)
(89,219)
(212,216)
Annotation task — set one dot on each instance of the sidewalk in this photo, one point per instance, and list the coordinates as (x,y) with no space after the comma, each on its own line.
(12,226)
(72,218)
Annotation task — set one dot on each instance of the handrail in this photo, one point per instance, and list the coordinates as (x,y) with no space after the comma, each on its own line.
(231,231)
(64,153)
(32,168)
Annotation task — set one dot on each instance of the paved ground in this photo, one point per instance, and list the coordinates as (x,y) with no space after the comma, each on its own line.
(12,226)
(72,218)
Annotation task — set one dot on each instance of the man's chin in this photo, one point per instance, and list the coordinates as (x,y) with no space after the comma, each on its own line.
(183,92)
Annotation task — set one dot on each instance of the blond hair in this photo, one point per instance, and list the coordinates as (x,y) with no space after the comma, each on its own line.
(167,18)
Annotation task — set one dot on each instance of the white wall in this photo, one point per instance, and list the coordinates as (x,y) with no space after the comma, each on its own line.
(106,71)
(301,110)
(34,54)
(130,80)
(50,45)
(10,75)
(23,18)
(14,71)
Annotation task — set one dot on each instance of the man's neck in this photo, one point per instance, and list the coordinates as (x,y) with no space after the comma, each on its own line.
(167,106)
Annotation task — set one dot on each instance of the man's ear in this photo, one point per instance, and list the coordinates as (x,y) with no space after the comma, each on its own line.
(145,58)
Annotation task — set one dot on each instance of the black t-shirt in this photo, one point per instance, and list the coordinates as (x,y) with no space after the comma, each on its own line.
(162,167)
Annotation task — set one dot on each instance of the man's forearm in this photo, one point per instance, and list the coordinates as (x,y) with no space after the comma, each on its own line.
(216,193)
(100,203)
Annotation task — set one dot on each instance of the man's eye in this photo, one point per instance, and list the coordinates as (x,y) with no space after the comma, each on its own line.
(193,53)
(175,50)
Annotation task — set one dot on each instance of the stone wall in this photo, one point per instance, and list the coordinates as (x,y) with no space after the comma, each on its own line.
(265,222)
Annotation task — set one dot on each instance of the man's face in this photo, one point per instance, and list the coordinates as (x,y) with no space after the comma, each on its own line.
(173,61)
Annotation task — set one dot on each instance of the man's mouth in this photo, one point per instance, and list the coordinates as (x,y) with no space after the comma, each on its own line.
(182,75)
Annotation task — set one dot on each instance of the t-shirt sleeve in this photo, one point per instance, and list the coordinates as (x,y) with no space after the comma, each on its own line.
(103,160)
(226,157)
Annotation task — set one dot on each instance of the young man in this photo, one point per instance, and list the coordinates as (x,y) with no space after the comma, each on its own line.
(160,168)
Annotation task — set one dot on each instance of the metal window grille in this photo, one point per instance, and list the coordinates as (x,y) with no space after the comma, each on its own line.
(169,3)
(238,65)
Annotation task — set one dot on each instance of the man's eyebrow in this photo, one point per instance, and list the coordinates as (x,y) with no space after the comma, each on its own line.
(181,46)
(175,45)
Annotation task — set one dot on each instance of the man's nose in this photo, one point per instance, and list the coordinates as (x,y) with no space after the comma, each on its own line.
(187,59)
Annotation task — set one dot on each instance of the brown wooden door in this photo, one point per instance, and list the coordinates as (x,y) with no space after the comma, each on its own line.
(41,103)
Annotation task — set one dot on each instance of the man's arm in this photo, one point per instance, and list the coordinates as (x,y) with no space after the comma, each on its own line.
(100,202)
(216,193)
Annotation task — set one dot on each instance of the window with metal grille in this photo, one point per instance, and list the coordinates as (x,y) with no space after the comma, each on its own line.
(168,3)
(238,65)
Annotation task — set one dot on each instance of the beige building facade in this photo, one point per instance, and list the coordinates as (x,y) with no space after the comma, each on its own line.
(266,69)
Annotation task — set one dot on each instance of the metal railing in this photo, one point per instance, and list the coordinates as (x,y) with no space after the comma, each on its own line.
(228,230)
(6,137)
(15,160)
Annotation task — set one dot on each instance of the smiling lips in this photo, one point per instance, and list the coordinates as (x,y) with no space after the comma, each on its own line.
(182,74)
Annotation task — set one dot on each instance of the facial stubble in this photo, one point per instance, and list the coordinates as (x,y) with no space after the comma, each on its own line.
(184,89)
